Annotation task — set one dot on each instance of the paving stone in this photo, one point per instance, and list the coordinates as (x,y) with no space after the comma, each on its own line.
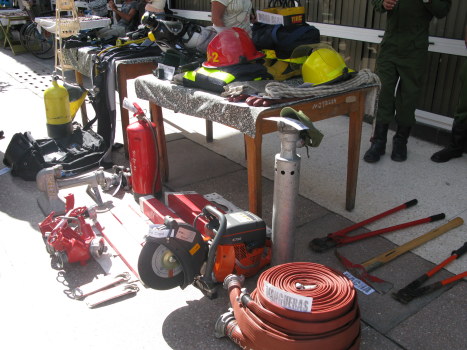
(179,336)
(190,163)
(21,204)
(441,324)
(372,339)
(173,136)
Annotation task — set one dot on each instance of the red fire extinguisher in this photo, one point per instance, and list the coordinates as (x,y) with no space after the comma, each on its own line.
(142,151)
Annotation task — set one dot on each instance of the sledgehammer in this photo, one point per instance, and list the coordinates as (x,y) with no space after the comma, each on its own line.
(362,271)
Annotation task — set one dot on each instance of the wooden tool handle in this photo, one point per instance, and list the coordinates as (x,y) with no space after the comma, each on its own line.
(394,253)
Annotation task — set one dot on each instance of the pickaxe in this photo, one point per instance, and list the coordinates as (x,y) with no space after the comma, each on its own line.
(362,271)
(414,289)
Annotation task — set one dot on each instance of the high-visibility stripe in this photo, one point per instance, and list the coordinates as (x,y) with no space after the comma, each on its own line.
(335,72)
(210,73)
(216,74)
(190,75)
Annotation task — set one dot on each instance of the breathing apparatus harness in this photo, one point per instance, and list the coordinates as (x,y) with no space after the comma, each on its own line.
(170,31)
(178,38)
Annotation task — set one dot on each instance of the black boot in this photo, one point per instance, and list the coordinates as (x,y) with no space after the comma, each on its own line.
(378,143)
(399,143)
(456,145)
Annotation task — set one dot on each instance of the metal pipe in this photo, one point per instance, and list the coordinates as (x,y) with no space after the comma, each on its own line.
(286,182)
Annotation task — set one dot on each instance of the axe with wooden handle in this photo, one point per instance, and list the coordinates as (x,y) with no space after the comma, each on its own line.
(362,271)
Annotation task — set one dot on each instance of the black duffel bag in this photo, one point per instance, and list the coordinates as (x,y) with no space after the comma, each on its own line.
(283,39)
(81,151)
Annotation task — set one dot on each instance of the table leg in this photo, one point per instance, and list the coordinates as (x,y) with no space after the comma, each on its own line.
(122,93)
(126,72)
(3,36)
(255,195)
(157,118)
(84,113)
(209,136)
(355,136)
(15,46)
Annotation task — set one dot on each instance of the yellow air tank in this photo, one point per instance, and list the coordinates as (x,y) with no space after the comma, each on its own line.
(57,111)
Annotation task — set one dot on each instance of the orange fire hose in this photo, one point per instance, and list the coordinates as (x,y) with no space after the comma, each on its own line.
(258,323)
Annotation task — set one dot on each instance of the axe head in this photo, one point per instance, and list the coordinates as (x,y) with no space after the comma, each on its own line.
(359,271)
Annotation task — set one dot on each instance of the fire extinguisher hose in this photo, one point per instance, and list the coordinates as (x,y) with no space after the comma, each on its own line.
(261,323)
(154,139)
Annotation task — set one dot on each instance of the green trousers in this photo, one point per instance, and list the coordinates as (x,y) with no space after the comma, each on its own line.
(402,79)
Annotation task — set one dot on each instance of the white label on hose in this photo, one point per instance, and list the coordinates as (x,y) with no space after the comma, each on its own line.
(359,284)
(186,235)
(287,300)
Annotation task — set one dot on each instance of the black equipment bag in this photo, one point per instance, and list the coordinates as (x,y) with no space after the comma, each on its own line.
(81,151)
(283,39)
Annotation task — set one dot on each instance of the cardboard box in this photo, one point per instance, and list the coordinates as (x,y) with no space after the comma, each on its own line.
(284,16)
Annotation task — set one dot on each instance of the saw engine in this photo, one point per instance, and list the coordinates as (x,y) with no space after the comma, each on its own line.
(70,238)
(216,244)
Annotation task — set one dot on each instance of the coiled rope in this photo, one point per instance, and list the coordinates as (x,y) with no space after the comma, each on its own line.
(276,89)
(332,324)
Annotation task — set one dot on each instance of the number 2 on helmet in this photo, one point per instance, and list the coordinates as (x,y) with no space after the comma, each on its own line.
(215,57)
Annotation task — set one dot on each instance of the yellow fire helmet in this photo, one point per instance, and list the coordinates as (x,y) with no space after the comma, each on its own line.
(324,66)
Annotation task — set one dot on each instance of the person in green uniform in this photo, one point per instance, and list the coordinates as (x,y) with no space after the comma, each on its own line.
(401,66)
(459,127)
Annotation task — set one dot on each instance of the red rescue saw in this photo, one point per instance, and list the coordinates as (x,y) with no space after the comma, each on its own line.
(214,244)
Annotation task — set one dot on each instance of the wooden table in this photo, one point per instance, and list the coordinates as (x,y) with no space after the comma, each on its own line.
(9,19)
(251,122)
(85,23)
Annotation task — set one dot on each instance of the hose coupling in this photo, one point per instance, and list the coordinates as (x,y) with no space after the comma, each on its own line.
(300,286)
(233,280)
(244,298)
(222,322)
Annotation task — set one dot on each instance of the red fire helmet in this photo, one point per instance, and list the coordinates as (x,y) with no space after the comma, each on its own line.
(229,47)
